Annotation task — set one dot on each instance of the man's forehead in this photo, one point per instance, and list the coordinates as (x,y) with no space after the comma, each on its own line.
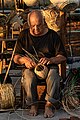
(35,20)
(35,13)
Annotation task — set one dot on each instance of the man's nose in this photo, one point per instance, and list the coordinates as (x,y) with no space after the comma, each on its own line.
(36,27)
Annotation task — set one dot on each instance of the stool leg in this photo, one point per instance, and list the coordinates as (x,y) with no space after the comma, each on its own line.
(22,97)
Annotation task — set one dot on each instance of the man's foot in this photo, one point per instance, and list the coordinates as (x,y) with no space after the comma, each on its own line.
(49,113)
(34,110)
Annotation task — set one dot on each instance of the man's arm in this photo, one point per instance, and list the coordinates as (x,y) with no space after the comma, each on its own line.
(28,62)
(53,60)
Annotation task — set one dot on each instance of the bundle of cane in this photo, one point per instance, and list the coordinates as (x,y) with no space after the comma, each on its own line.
(7,94)
(40,70)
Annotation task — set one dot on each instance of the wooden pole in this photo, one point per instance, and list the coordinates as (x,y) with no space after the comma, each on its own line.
(3,6)
(63,38)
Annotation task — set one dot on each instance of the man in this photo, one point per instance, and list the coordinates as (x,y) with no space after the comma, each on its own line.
(46,46)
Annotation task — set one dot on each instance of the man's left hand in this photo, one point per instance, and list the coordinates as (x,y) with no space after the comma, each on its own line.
(45,60)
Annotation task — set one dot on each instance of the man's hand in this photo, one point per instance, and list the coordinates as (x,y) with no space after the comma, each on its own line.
(45,60)
(29,63)
(53,60)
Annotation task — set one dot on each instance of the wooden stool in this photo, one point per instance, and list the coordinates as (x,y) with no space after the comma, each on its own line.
(41,89)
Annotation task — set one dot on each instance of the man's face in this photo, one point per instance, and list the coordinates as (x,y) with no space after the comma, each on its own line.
(36,26)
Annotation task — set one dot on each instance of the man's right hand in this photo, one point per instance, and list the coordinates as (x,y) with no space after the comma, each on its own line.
(29,63)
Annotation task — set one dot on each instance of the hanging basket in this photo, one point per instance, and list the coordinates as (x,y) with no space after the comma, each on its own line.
(7,96)
(52,18)
(66,5)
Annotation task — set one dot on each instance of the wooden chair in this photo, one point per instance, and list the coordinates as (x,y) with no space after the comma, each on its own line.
(16,29)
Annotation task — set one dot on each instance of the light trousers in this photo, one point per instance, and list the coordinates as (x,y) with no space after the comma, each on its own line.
(30,81)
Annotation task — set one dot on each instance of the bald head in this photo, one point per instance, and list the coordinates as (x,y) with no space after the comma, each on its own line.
(36,23)
(35,15)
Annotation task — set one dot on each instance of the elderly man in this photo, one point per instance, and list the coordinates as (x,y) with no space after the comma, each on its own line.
(44,44)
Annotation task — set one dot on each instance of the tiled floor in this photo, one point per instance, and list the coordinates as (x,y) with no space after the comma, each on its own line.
(24,115)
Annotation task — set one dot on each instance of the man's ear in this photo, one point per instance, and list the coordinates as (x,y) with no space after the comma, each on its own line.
(28,19)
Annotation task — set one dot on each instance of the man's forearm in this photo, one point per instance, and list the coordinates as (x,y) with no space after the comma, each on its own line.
(53,60)
(19,59)
(58,59)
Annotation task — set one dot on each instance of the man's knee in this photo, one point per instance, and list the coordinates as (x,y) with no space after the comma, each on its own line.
(28,76)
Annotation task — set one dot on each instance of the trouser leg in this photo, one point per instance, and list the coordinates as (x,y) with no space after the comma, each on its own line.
(53,86)
(30,85)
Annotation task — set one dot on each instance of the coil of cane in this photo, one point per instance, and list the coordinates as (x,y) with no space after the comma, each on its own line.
(7,98)
(71,100)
